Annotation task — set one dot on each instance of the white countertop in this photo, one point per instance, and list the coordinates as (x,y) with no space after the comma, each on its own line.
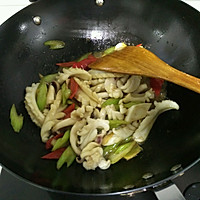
(10,7)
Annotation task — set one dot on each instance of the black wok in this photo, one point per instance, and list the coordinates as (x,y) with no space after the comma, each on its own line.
(170,29)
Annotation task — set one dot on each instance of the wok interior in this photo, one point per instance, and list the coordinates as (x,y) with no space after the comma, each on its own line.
(170,29)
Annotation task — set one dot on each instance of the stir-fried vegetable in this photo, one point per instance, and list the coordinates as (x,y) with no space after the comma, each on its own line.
(97,116)
(126,148)
(73,88)
(55,44)
(16,120)
(116,123)
(41,95)
(55,154)
(62,142)
(68,110)
(156,84)
(48,78)
(110,101)
(128,105)
(68,157)
(49,143)
(66,92)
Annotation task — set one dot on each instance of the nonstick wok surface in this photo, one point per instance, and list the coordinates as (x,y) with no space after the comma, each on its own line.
(170,29)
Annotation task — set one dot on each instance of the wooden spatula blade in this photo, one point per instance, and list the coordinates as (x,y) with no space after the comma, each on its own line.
(130,60)
(140,61)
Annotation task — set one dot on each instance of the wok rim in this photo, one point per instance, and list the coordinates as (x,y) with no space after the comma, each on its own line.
(150,187)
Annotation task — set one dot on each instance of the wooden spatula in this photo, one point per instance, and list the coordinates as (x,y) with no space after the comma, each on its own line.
(140,61)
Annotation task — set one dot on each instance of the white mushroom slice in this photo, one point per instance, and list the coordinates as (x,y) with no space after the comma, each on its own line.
(50,119)
(50,95)
(136,112)
(96,74)
(144,128)
(74,137)
(46,127)
(92,95)
(31,106)
(111,112)
(89,131)
(142,88)
(111,88)
(111,139)
(98,88)
(76,72)
(82,112)
(64,123)
(125,131)
(103,95)
(130,84)
(82,97)
(95,82)
(93,156)
(143,97)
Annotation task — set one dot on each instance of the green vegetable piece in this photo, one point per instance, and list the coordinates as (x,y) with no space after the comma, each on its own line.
(116,123)
(121,151)
(16,120)
(68,156)
(65,93)
(61,142)
(128,105)
(41,95)
(110,102)
(128,139)
(108,51)
(49,78)
(133,152)
(83,57)
(110,149)
(55,44)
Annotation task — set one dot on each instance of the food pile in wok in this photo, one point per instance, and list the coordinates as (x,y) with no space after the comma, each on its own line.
(96,118)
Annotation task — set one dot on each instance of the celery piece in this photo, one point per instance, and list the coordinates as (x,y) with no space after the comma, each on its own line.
(110,101)
(128,105)
(65,93)
(108,51)
(41,95)
(55,44)
(133,152)
(61,142)
(121,151)
(83,57)
(110,149)
(116,123)
(128,139)
(16,120)
(68,156)
(49,78)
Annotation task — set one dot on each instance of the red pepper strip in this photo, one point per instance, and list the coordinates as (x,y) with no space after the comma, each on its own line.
(68,110)
(139,45)
(48,143)
(83,64)
(54,154)
(73,88)
(66,64)
(156,84)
